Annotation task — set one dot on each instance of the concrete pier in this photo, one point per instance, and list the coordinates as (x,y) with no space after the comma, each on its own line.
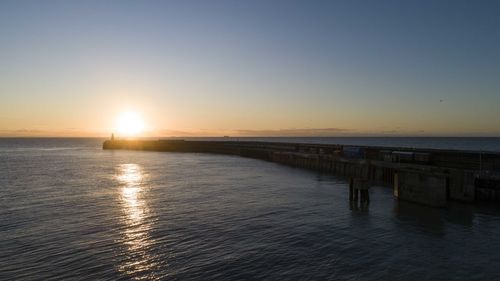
(426,176)
(358,188)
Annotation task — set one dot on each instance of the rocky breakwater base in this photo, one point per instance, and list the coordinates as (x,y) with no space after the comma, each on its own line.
(426,176)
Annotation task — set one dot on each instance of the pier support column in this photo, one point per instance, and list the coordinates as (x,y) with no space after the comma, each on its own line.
(355,197)
(396,185)
(365,196)
(358,190)
(351,189)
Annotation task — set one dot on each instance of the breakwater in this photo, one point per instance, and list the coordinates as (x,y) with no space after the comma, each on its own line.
(426,176)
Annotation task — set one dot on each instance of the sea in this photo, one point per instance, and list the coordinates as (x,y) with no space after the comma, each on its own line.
(72,211)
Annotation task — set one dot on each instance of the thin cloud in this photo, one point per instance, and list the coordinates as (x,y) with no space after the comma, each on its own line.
(49,133)
(307,132)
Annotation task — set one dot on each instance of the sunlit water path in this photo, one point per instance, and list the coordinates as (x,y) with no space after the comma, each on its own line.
(69,210)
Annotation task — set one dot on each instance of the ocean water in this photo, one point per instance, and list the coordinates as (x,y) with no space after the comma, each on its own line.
(72,211)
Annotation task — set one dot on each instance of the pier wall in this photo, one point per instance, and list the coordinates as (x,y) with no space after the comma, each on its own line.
(421,187)
(423,176)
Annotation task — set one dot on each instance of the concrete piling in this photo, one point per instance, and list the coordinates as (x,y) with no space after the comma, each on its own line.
(365,196)
(358,189)
(356,193)
(351,190)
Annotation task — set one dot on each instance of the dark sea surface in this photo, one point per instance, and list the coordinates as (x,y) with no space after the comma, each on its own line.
(70,210)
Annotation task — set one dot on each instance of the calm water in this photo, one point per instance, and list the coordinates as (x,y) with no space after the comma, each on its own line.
(69,210)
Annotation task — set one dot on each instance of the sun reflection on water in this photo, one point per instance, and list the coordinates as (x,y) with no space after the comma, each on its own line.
(139,262)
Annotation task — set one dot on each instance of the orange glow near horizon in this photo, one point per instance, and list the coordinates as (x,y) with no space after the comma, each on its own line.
(129,124)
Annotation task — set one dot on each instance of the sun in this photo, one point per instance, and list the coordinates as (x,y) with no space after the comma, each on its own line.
(129,124)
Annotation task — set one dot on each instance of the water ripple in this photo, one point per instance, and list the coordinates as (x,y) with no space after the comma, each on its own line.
(88,214)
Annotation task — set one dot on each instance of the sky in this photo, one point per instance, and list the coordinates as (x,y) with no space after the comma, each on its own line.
(251,68)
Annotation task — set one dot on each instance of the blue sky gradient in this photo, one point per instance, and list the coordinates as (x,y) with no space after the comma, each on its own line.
(213,67)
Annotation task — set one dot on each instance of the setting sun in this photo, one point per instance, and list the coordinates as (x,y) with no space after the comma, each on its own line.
(129,124)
